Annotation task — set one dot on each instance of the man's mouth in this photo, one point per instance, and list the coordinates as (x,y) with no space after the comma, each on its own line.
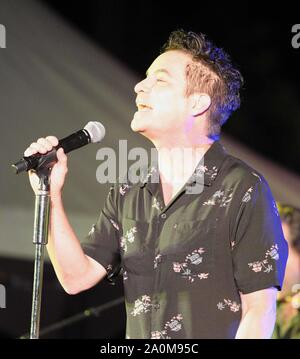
(143,107)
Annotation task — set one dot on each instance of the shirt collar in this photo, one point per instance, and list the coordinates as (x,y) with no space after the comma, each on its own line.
(205,172)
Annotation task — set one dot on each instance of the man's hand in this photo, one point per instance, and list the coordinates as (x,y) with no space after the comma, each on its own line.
(59,170)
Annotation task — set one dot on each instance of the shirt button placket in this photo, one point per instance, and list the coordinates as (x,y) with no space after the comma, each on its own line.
(155,298)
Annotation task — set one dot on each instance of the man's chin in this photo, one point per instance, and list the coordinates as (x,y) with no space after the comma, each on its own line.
(136,126)
(139,130)
(140,126)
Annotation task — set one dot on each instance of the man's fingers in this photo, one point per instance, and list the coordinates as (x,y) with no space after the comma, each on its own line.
(29,152)
(45,143)
(38,147)
(53,140)
(61,156)
(42,145)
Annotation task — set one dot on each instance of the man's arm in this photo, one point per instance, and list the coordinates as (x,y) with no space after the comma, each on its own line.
(258,314)
(75,270)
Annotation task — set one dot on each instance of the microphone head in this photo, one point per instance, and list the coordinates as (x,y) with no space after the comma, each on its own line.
(96,131)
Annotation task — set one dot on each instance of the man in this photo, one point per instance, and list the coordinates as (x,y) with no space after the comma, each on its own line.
(196,264)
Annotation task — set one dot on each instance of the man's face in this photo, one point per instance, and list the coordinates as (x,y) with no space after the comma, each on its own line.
(162,105)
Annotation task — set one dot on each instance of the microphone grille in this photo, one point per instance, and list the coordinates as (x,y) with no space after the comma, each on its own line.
(96,131)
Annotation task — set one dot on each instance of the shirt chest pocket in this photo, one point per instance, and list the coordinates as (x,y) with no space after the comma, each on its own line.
(190,247)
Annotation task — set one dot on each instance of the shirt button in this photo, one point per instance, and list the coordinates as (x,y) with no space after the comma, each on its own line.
(163,216)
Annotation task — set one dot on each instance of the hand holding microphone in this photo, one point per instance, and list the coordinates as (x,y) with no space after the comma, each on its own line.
(59,169)
(50,152)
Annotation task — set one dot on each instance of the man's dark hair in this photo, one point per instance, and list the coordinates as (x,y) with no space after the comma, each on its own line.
(211,71)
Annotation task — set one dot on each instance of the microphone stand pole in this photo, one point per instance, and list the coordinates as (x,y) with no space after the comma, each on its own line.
(40,239)
(89,312)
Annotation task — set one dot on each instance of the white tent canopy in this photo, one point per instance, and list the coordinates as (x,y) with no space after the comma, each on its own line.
(53,81)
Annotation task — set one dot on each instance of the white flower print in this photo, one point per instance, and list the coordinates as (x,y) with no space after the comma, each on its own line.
(213,172)
(128,237)
(222,198)
(264,265)
(123,189)
(256,266)
(221,306)
(201,170)
(146,177)
(247,195)
(157,260)
(219,194)
(225,200)
(233,306)
(268,269)
(125,275)
(143,305)
(177,267)
(184,269)
(156,204)
(209,202)
(195,256)
(174,325)
(203,275)
(159,335)
(92,230)
(273,252)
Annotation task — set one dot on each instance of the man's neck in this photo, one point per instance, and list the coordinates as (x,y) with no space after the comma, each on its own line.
(177,163)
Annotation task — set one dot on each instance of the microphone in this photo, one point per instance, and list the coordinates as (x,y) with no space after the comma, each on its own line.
(93,132)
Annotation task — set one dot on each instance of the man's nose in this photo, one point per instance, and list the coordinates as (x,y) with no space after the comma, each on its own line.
(144,85)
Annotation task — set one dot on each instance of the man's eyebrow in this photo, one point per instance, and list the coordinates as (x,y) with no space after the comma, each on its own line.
(159,71)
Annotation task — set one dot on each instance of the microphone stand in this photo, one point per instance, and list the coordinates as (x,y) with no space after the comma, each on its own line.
(40,239)
(87,313)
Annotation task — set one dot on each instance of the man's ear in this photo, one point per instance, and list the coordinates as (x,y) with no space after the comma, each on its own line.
(200,103)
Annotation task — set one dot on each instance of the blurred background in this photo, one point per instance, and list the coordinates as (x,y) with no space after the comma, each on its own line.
(66,63)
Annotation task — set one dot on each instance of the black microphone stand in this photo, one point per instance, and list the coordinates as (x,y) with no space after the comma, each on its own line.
(40,239)
(87,313)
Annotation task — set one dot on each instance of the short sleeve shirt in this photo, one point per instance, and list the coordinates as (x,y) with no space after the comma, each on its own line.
(185,264)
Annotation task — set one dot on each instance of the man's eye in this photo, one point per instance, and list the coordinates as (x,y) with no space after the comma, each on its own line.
(160,80)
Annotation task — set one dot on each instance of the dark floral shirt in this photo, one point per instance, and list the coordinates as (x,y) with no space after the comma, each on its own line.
(185,264)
